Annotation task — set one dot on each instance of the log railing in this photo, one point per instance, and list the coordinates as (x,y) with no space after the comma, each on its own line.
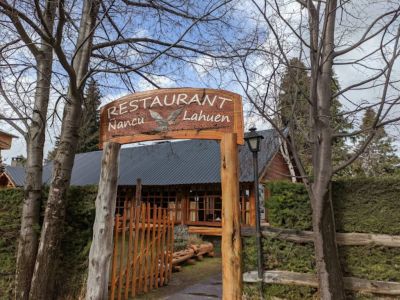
(304,279)
(345,239)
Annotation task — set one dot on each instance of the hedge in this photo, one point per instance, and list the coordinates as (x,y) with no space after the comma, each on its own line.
(377,202)
(360,205)
(75,244)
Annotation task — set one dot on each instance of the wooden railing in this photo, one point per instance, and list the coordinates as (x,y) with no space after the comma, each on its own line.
(345,239)
(304,279)
(143,248)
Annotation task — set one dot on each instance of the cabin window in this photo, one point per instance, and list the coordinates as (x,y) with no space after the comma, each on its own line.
(200,205)
(205,207)
(122,195)
(165,198)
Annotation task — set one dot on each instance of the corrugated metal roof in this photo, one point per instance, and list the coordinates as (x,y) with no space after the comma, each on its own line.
(170,163)
(17,174)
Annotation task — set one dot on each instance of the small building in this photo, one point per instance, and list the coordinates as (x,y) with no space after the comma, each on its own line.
(183,176)
(12,176)
(5,144)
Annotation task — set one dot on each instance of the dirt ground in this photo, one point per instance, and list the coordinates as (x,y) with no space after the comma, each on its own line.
(191,282)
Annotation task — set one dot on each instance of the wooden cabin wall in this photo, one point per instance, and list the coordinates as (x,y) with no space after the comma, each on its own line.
(277,169)
(5,182)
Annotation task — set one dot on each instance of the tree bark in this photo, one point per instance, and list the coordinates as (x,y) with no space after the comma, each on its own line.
(330,276)
(35,139)
(46,261)
(102,245)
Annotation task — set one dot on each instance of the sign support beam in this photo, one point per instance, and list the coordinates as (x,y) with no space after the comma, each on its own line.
(102,245)
(231,246)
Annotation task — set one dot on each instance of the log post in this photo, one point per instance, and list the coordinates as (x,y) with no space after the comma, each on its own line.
(231,243)
(102,245)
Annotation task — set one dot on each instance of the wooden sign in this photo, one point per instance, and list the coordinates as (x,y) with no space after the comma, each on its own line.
(185,113)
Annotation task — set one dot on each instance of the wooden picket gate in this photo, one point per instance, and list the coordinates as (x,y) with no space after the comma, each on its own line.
(143,248)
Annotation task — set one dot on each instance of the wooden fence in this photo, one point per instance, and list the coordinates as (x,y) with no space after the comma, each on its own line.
(143,248)
(348,239)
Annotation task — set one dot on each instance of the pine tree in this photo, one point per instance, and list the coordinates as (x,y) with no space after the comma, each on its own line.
(52,153)
(89,131)
(294,111)
(379,158)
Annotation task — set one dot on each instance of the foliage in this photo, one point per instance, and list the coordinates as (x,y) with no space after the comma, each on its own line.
(89,130)
(75,242)
(182,238)
(294,112)
(379,158)
(52,153)
(360,205)
(10,211)
(75,245)
(288,205)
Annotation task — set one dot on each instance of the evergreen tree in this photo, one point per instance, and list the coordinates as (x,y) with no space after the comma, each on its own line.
(294,111)
(89,130)
(379,158)
(52,153)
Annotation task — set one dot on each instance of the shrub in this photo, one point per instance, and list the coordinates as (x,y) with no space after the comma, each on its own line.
(370,205)
(75,243)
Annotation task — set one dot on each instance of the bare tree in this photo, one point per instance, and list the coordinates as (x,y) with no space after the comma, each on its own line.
(32,119)
(115,41)
(324,35)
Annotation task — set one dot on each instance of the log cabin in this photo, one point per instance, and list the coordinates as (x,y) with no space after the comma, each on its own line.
(183,176)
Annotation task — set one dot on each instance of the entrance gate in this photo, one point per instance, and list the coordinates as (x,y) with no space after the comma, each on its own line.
(143,247)
(169,114)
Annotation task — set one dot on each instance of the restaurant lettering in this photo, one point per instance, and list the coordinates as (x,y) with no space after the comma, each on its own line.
(171,112)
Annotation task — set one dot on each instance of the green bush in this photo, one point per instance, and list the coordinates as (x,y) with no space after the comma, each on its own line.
(10,211)
(75,243)
(367,205)
(288,206)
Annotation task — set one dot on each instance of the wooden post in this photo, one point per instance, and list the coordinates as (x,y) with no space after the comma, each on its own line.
(231,243)
(102,245)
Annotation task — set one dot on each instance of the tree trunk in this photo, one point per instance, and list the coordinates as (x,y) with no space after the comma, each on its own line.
(331,286)
(46,261)
(102,245)
(330,276)
(35,139)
